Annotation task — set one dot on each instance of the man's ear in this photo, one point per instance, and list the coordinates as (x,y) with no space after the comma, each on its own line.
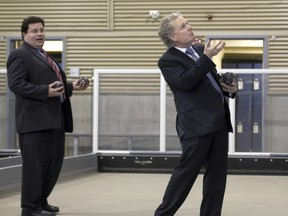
(173,38)
(23,35)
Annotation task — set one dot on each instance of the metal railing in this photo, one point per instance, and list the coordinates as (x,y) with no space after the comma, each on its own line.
(163,108)
(272,126)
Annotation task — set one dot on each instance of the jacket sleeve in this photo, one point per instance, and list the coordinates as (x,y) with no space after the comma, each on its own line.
(18,78)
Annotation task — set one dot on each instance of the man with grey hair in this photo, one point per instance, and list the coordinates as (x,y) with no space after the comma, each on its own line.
(203,116)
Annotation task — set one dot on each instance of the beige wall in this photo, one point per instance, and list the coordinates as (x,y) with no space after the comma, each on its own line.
(120,34)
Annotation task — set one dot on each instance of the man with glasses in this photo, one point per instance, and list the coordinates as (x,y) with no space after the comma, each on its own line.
(43,115)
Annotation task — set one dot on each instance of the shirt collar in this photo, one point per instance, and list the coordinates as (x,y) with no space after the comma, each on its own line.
(181,49)
(184,49)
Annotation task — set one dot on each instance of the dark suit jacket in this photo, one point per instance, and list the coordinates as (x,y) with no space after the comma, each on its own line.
(29,75)
(200,108)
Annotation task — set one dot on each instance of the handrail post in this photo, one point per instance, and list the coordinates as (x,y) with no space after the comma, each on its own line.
(162,114)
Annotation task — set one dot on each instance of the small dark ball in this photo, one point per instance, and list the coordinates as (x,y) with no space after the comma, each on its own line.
(228,78)
(84,80)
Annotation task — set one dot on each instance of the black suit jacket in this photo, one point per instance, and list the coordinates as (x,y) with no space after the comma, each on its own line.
(200,107)
(29,75)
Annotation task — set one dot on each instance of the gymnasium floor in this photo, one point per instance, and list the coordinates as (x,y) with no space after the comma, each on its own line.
(130,194)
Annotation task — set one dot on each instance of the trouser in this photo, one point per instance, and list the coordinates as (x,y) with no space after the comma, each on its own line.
(42,158)
(210,150)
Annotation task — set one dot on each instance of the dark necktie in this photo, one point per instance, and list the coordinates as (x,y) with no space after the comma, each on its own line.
(192,54)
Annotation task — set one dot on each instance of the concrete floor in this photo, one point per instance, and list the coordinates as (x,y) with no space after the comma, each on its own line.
(121,194)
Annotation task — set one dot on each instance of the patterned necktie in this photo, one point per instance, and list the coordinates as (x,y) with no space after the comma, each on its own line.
(55,68)
(192,54)
(52,64)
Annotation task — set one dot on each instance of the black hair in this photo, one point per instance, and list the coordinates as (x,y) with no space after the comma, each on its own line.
(29,20)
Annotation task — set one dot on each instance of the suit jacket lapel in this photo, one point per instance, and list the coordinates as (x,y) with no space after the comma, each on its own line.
(38,54)
(214,71)
(184,57)
(189,60)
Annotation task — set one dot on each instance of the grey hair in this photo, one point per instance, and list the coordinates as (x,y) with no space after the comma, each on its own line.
(166,28)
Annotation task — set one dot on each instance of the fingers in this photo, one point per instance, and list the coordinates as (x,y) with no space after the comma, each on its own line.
(55,89)
(220,45)
(212,51)
(81,84)
(229,88)
(208,44)
(53,84)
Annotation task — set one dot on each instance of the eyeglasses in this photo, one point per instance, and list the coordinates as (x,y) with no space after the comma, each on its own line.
(37,31)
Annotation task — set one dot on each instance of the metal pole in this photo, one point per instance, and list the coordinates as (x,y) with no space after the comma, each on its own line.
(162,114)
(232,106)
(95,110)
